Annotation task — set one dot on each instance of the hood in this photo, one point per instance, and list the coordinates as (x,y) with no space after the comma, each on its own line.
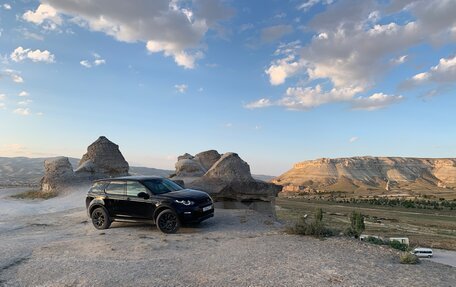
(186,194)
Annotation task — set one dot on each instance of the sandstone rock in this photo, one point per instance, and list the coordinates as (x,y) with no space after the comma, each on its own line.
(58,174)
(227,179)
(189,168)
(103,159)
(208,158)
(230,167)
(349,174)
(185,156)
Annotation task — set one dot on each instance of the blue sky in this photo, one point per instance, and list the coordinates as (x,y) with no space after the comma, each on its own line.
(276,81)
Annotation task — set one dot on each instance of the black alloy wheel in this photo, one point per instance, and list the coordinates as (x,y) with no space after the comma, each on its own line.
(167,221)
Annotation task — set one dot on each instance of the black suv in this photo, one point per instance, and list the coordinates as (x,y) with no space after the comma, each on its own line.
(133,198)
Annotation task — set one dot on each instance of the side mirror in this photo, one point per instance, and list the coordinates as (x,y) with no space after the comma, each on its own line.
(144,195)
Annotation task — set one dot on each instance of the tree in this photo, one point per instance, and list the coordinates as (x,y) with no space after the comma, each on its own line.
(356,224)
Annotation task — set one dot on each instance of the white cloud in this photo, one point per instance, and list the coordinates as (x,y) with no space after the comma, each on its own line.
(85,63)
(22,111)
(350,51)
(274,33)
(165,26)
(375,102)
(14,75)
(6,6)
(45,15)
(39,114)
(444,73)
(353,139)
(2,106)
(228,125)
(24,103)
(23,94)
(287,66)
(97,62)
(2,97)
(305,98)
(20,54)
(181,88)
(306,5)
(261,103)
(400,60)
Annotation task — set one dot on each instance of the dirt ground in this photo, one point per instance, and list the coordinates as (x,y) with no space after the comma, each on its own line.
(235,248)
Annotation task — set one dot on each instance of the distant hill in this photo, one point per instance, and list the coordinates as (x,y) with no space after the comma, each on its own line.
(370,173)
(24,171)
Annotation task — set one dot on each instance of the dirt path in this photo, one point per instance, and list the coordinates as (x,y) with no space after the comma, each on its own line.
(235,248)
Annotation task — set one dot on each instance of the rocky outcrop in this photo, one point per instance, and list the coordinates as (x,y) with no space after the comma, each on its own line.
(103,159)
(227,179)
(58,174)
(370,173)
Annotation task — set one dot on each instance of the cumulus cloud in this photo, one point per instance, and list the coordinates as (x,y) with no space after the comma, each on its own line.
(20,54)
(2,106)
(444,73)
(287,65)
(261,103)
(181,88)
(22,111)
(305,98)
(375,102)
(13,75)
(96,62)
(163,25)
(6,6)
(274,33)
(2,97)
(352,50)
(23,94)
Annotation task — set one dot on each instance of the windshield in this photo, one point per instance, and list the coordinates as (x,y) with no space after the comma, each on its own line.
(161,186)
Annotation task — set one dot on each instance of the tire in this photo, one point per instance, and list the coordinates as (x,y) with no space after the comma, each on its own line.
(168,221)
(100,218)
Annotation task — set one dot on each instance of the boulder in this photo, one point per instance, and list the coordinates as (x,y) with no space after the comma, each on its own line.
(227,179)
(103,159)
(189,168)
(58,174)
(208,158)
(230,167)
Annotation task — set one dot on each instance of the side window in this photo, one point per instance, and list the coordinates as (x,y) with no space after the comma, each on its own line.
(116,188)
(98,187)
(133,188)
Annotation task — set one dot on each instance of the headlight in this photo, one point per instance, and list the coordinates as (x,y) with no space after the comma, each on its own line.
(185,202)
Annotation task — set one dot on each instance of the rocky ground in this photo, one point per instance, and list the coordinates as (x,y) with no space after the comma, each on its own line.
(235,248)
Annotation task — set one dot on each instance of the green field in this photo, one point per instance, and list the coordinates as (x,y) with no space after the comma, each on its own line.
(424,227)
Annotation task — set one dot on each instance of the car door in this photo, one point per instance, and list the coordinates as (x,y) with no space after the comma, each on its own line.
(115,197)
(139,206)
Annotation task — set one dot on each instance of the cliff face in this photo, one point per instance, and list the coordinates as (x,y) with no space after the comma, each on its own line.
(349,174)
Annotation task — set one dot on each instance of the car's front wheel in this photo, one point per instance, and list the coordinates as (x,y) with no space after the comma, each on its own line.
(167,221)
(100,218)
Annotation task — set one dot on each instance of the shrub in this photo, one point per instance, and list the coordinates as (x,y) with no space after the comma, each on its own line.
(315,228)
(408,258)
(398,245)
(356,225)
(375,240)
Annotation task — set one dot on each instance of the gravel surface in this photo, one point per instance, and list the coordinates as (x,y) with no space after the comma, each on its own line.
(235,248)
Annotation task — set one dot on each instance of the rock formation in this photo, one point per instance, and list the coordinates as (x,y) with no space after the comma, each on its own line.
(369,173)
(227,179)
(58,174)
(103,159)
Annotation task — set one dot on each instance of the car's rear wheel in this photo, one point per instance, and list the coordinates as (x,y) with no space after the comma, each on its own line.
(100,218)
(167,221)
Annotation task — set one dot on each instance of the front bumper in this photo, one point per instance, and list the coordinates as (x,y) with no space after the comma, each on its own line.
(195,214)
